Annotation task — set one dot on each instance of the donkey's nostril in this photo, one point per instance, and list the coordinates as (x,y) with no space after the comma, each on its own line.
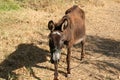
(56,61)
(52,61)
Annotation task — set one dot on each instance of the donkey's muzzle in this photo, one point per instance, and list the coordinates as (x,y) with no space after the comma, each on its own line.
(52,61)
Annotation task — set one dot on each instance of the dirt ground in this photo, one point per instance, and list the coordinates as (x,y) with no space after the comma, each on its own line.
(24,51)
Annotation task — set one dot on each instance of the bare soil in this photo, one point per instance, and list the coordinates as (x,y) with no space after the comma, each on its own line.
(24,51)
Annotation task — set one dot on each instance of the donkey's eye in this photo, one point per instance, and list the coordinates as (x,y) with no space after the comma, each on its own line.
(62,40)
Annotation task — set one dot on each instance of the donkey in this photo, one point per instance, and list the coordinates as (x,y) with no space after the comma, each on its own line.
(69,30)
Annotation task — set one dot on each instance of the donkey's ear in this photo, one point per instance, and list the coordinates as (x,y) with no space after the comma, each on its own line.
(64,25)
(51,25)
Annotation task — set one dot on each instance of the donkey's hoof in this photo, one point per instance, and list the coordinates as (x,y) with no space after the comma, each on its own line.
(82,58)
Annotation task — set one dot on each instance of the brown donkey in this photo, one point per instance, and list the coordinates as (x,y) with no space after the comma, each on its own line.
(68,31)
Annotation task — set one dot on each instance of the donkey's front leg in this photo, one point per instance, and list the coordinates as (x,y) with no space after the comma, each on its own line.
(68,61)
(56,71)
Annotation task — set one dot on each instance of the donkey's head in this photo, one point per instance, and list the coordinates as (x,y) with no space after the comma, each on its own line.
(56,39)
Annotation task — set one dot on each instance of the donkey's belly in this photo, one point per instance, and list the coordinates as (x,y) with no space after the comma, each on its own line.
(79,40)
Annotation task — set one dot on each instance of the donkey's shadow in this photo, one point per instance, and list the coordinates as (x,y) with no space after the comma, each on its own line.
(25,55)
(101,45)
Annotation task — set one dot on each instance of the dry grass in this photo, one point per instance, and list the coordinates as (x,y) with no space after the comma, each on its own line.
(24,45)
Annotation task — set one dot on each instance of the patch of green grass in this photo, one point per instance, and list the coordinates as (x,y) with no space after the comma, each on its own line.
(8,5)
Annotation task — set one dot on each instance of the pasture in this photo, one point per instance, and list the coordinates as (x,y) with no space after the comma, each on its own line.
(24,51)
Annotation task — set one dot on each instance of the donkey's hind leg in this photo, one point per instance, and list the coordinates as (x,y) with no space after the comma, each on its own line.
(83,49)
